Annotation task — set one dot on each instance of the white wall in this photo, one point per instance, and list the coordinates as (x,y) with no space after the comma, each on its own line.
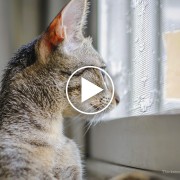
(4,36)
(19,24)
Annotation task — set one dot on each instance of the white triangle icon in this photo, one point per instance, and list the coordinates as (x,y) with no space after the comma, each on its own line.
(88,90)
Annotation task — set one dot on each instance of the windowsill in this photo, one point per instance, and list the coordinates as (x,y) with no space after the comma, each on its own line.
(103,171)
(148,142)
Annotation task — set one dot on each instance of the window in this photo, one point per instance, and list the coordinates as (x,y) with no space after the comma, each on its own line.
(132,41)
(139,39)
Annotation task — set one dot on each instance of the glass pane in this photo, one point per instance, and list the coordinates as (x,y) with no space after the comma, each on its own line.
(114,34)
(171,56)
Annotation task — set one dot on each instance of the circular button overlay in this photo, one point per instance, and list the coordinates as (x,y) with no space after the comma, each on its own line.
(89,89)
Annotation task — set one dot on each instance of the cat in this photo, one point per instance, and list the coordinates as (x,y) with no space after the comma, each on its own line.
(33,101)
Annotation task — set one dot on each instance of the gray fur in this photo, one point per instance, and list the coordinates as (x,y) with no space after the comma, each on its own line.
(33,104)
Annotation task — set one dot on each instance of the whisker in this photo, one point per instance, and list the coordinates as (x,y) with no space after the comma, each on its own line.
(88,127)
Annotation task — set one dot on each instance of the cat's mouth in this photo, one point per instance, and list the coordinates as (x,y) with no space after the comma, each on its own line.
(98,107)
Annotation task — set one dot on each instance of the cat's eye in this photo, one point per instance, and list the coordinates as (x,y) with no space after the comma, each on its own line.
(104,67)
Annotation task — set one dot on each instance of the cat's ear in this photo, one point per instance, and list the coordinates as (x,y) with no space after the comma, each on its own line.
(67,26)
(74,17)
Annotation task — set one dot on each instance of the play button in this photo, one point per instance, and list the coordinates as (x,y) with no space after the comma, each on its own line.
(88,90)
(84,93)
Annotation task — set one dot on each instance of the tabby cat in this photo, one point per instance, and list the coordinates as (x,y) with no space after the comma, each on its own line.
(33,101)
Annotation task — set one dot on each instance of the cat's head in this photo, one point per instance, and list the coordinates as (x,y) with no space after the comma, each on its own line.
(64,45)
(61,50)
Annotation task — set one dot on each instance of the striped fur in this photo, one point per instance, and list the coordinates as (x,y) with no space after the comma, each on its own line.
(33,102)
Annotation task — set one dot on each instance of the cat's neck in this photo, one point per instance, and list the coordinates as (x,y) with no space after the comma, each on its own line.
(32,106)
(25,118)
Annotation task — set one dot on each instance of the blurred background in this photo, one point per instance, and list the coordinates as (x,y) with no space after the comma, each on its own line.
(140,42)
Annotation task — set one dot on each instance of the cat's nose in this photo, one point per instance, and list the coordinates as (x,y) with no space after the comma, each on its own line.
(117,98)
